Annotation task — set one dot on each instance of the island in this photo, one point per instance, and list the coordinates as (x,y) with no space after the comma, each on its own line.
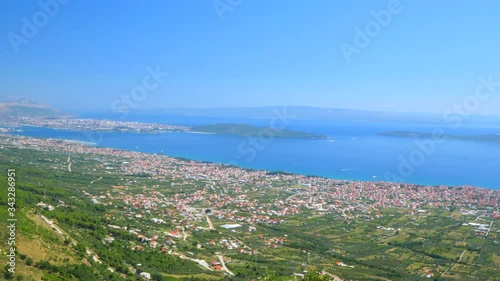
(253,131)
(408,134)
(19,114)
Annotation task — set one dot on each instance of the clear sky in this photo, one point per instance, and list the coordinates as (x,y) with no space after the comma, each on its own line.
(427,57)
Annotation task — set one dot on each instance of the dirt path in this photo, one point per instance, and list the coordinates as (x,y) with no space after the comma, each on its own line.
(94,256)
(223,264)
(210,224)
(200,262)
(491,224)
(96,180)
(335,278)
(461,256)
(184,234)
(69,164)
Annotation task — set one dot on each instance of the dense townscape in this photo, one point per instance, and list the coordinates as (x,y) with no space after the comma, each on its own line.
(90,125)
(224,221)
(314,192)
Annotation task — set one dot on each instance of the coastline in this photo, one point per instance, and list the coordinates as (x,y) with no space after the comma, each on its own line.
(200,133)
(267,171)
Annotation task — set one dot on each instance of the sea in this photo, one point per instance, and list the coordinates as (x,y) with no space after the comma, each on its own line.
(354,150)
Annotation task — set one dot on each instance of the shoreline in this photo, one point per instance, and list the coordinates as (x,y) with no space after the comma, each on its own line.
(267,171)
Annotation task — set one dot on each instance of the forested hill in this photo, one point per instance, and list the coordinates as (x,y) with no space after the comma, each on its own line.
(253,131)
(14,110)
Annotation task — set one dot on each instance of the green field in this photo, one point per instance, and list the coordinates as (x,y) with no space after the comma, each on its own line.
(397,245)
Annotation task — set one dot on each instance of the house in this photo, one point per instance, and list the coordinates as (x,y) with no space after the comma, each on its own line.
(142,238)
(145,275)
(156,220)
(217,268)
(109,240)
(429,275)
(339,263)
(45,206)
(153,244)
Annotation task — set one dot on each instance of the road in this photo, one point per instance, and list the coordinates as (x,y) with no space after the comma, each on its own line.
(335,278)
(461,256)
(491,224)
(244,245)
(447,269)
(200,262)
(223,264)
(459,260)
(69,164)
(53,226)
(94,256)
(96,180)
(210,224)
(184,234)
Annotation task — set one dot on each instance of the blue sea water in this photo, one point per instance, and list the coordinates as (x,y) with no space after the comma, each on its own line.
(355,151)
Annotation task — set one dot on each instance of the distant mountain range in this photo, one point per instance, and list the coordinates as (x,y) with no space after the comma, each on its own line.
(12,108)
(314,113)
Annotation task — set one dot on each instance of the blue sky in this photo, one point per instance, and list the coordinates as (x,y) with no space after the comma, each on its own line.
(259,53)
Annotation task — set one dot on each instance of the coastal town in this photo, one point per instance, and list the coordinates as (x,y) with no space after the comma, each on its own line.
(241,140)
(81,124)
(321,194)
(221,217)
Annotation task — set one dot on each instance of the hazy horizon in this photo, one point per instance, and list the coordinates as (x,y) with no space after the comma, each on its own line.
(390,56)
(250,140)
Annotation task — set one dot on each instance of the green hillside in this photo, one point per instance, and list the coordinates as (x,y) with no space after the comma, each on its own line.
(100,207)
(254,131)
(17,110)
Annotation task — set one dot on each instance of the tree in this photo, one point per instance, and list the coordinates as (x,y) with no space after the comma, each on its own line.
(8,275)
(313,275)
(157,276)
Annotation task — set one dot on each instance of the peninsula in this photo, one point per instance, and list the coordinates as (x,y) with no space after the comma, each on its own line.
(96,125)
(254,131)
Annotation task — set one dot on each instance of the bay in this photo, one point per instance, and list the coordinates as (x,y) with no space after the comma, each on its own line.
(355,151)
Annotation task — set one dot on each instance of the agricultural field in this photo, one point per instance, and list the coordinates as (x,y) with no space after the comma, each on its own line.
(83,216)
